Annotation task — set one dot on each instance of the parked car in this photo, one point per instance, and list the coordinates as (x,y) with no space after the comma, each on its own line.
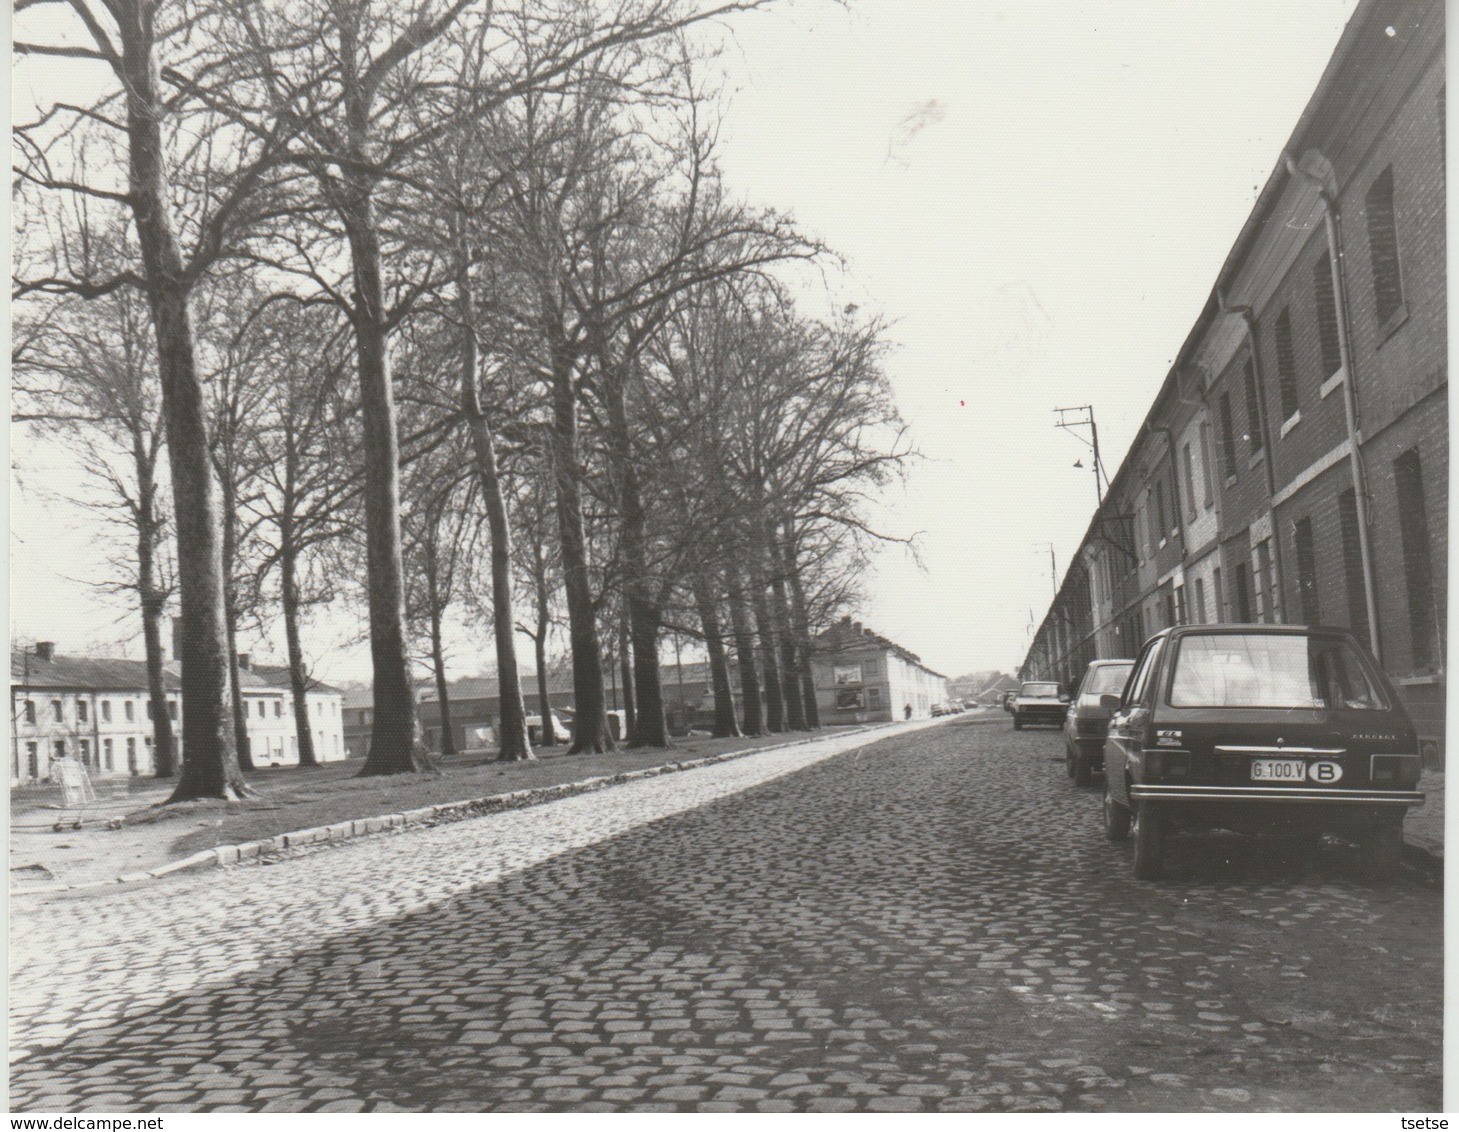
(1039,701)
(561,732)
(1087,718)
(1260,729)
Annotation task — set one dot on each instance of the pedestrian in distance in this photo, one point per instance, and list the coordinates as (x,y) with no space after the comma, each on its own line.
(907,711)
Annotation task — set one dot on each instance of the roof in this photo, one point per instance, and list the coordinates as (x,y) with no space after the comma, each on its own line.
(277,675)
(847,634)
(102,674)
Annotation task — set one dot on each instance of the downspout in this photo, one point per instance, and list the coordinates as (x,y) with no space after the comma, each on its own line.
(1248,320)
(1349,395)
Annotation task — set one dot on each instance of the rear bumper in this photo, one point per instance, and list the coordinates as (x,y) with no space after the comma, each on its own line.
(1145,792)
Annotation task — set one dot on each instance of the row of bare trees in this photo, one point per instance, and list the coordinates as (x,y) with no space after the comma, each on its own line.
(438,304)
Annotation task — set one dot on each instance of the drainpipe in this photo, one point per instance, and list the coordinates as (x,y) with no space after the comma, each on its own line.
(1248,321)
(1349,394)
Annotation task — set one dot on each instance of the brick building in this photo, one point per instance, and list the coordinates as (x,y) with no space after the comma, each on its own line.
(1293,466)
(862,677)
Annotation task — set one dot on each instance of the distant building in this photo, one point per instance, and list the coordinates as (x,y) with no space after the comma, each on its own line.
(862,677)
(99,712)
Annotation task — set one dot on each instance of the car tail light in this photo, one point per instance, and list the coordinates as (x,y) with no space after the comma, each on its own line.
(1168,764)
(1399,770)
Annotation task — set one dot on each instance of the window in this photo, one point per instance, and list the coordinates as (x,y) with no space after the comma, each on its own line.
(105,711)
(1272,671)
(172,709)
(1268,601)
(1253,407)
(128,711)
(1198,613)
(1286,366)
(132,756)
(32,760)
(1216,596)
(1160,507)
(30,711)
(873,698)
(1206,463)
(278,708)
(149,709)
(1326,316)
(106,754)
(1190,483)
(1228,438)
(58,749)
(261,708)
(1138,691)
(1383,247)
(1307,572)
(1241,591)
(82,714)
(1181,613)
(56,711)
(1352,565)
(85,750)
(1418,569)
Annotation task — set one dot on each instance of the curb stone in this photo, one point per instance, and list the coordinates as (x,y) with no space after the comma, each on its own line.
(424,817)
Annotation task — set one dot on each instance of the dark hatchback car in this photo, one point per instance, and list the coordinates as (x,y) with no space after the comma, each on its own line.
(1087,720)
(1273,729)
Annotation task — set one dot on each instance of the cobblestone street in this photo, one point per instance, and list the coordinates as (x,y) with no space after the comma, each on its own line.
(933,922)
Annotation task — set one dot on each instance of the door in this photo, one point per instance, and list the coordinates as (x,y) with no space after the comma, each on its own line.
(1127,726)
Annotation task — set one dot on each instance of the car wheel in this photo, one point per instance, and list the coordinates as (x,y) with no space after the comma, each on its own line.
(1385,849)
(1017,723)
(1068,759)
(1116,818)
(1149,842)
(1083,771)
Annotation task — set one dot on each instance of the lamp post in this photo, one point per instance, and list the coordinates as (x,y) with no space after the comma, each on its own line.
(1083,420)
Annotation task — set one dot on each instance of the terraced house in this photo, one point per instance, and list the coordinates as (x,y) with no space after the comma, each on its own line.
(1294,464)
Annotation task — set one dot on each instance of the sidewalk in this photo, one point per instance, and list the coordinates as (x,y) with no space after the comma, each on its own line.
(44,859)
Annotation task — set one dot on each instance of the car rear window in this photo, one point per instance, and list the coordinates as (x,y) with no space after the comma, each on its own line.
(1040,690)
(1269,670)
(1108,678)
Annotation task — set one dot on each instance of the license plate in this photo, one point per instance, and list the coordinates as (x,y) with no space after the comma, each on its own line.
(1278,770)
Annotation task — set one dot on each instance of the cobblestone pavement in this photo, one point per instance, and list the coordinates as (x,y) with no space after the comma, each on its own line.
(934,922)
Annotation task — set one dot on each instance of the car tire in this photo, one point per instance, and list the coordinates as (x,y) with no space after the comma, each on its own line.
(1149,842)
(1017,723)
(1069,759)
(1083,771)
(1384,847)
(1116,818)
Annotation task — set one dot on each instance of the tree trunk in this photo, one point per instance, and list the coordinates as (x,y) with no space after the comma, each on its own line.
(544,704)
(394,748)
(780,614)
(153,602)
(298,683)
(438,656)
(230,606)
(650,726)
(512,713)
(210,769)
(769,659)
(800,627)
(590,729)
(719,677)
(752,709)
(625,668)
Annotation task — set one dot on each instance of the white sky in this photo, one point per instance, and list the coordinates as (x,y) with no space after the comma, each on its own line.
(1040,193)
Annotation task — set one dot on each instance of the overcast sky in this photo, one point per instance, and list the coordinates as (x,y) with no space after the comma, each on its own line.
(1039,194)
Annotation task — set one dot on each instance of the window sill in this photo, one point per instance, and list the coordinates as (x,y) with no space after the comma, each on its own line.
(1254,459)
(1290,423)
(1230,481)
(1395,320)
(1333,383)
(1162,545)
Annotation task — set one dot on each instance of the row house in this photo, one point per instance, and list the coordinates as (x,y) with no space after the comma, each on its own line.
(1293,466)
(99,712)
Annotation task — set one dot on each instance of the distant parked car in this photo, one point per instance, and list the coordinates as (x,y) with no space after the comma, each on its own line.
(1039,701)
(1087,719)
(1278,729)
(560,731)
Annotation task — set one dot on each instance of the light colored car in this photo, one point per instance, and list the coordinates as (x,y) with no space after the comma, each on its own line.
(1039,701)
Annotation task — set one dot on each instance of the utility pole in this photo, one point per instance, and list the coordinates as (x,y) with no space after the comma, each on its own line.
(1083,420)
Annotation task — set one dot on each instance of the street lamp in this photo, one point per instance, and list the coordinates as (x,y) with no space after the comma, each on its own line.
(1083,420)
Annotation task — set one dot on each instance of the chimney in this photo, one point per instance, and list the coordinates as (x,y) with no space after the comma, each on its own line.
(856,627)
(45,650)
(243,660)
